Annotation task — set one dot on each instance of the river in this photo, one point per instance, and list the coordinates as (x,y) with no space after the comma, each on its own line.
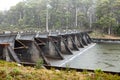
(95,56)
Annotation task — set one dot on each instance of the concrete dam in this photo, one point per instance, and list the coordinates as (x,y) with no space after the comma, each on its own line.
(28,48)
(60,49)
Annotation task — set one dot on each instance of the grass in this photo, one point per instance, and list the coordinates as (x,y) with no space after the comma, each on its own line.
(11,71)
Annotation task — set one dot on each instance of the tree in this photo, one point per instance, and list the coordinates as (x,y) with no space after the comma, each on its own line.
(106,14)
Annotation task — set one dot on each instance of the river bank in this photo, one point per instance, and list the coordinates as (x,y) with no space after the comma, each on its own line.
(96,34)
(14,71)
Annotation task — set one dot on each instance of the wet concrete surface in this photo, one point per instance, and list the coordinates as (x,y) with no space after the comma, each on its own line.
(94,56)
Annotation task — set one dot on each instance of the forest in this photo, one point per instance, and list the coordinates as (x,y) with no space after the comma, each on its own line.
(101,15)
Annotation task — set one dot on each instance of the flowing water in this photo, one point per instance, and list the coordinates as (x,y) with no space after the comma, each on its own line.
(95,56)
(102,56)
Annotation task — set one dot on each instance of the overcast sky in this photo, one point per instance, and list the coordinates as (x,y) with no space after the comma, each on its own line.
(6,4)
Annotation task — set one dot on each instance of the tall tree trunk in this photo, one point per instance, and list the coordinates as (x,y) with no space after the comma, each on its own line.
(109,30)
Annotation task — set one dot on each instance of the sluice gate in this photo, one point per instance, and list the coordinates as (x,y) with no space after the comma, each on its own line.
(70,42)
(49,47)
(28,48)
(8,38)
(7,53)
(26,36)
(6,47)
(28,51)
(61,44)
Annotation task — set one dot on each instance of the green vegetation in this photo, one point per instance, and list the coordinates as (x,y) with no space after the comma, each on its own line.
(101,15)
(39,64)
(107,12)
(62,14)
(97,34)
(11,71)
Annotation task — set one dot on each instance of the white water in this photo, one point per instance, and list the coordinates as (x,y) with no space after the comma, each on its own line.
(73,57)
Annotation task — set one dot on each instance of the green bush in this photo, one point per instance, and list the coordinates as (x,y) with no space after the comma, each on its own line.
(15,72)
(39,64)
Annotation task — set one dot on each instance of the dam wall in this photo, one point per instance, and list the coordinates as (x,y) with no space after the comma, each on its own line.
(28,48)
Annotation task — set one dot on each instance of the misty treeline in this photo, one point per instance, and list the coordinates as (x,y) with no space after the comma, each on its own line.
(102,15)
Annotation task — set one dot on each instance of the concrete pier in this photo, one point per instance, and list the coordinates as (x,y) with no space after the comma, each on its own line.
(28,48)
